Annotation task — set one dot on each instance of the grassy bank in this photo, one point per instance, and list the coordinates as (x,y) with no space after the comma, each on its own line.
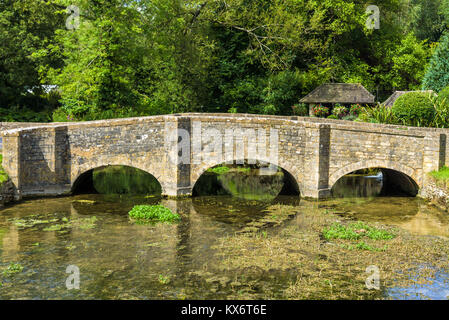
(441,175)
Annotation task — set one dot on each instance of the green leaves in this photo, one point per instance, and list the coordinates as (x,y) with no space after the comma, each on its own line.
(437,74)
(153,213)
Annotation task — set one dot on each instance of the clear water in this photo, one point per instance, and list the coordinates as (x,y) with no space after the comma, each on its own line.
(121,260)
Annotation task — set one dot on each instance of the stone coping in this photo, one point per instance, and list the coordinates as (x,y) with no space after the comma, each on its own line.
(310,122)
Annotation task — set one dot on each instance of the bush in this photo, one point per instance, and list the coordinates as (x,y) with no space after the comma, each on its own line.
(437,73)
(414,109)
(355,109)
(443,95)
(301,110)
(332,116)
(157,213)
(379,114)
(320,111)
(340,111)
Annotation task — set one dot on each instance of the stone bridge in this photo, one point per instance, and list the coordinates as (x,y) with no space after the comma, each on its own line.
(52,159)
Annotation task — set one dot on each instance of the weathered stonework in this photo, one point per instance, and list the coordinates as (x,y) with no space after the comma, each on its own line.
(7,193)
(437,192)
(49,160)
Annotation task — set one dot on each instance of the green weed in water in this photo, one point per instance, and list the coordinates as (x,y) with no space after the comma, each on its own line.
(153,213)
(12,269)
(164,279)
(355,231)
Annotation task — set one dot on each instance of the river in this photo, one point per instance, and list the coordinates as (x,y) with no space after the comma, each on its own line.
(224,247)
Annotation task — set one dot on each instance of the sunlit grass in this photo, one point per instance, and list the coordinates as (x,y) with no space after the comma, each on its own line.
(442,174)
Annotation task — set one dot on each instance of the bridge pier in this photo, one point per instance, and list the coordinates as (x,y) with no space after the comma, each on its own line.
(316,161)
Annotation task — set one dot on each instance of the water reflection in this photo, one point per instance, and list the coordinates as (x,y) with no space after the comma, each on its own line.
(353,186)
(117,259)
(121,260)
(432,288)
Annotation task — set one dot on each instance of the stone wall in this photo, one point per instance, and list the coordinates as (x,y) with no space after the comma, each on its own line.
(48,160)
(7,192)
(437,192)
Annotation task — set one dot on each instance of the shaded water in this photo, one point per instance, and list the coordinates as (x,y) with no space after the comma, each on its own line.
(121,260)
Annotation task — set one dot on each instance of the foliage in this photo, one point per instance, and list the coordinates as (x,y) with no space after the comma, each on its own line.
(443,95)
(340,111)
(3,175)
(441,106)
(437,74)
(148,57)
(355,109)
(355,231)
(320,111)
(429,19)
(378,114)
(154,212)
(219,170)
(415,109)
(26,27)
(301,109)
(12,269)
(124,180)
(442,174)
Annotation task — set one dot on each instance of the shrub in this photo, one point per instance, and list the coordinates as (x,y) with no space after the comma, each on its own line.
(378,114)
(301,110)
(443,95)
(355,110)
(155,213)
(441,105)
(320,111)
(414,109)
(332,116)
(437,73)
(340,111)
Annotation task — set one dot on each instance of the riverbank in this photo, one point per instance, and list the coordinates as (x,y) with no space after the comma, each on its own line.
(437,189)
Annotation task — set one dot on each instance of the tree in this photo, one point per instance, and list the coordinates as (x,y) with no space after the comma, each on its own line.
(25,27)
(437,74)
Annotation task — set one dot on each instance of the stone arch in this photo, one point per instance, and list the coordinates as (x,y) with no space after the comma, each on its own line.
(291,172)
(389,167)
(77,176)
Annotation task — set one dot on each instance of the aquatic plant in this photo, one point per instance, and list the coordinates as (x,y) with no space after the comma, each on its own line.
(164,279)
(355,231)
(13,268)
(154,212)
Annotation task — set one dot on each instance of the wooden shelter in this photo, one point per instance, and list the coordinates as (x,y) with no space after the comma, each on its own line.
(343,93)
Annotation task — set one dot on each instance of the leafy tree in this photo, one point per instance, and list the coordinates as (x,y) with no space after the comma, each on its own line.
(25,27)
(437,74)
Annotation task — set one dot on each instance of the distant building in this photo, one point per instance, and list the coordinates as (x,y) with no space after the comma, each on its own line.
(391,100)
(342,93)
